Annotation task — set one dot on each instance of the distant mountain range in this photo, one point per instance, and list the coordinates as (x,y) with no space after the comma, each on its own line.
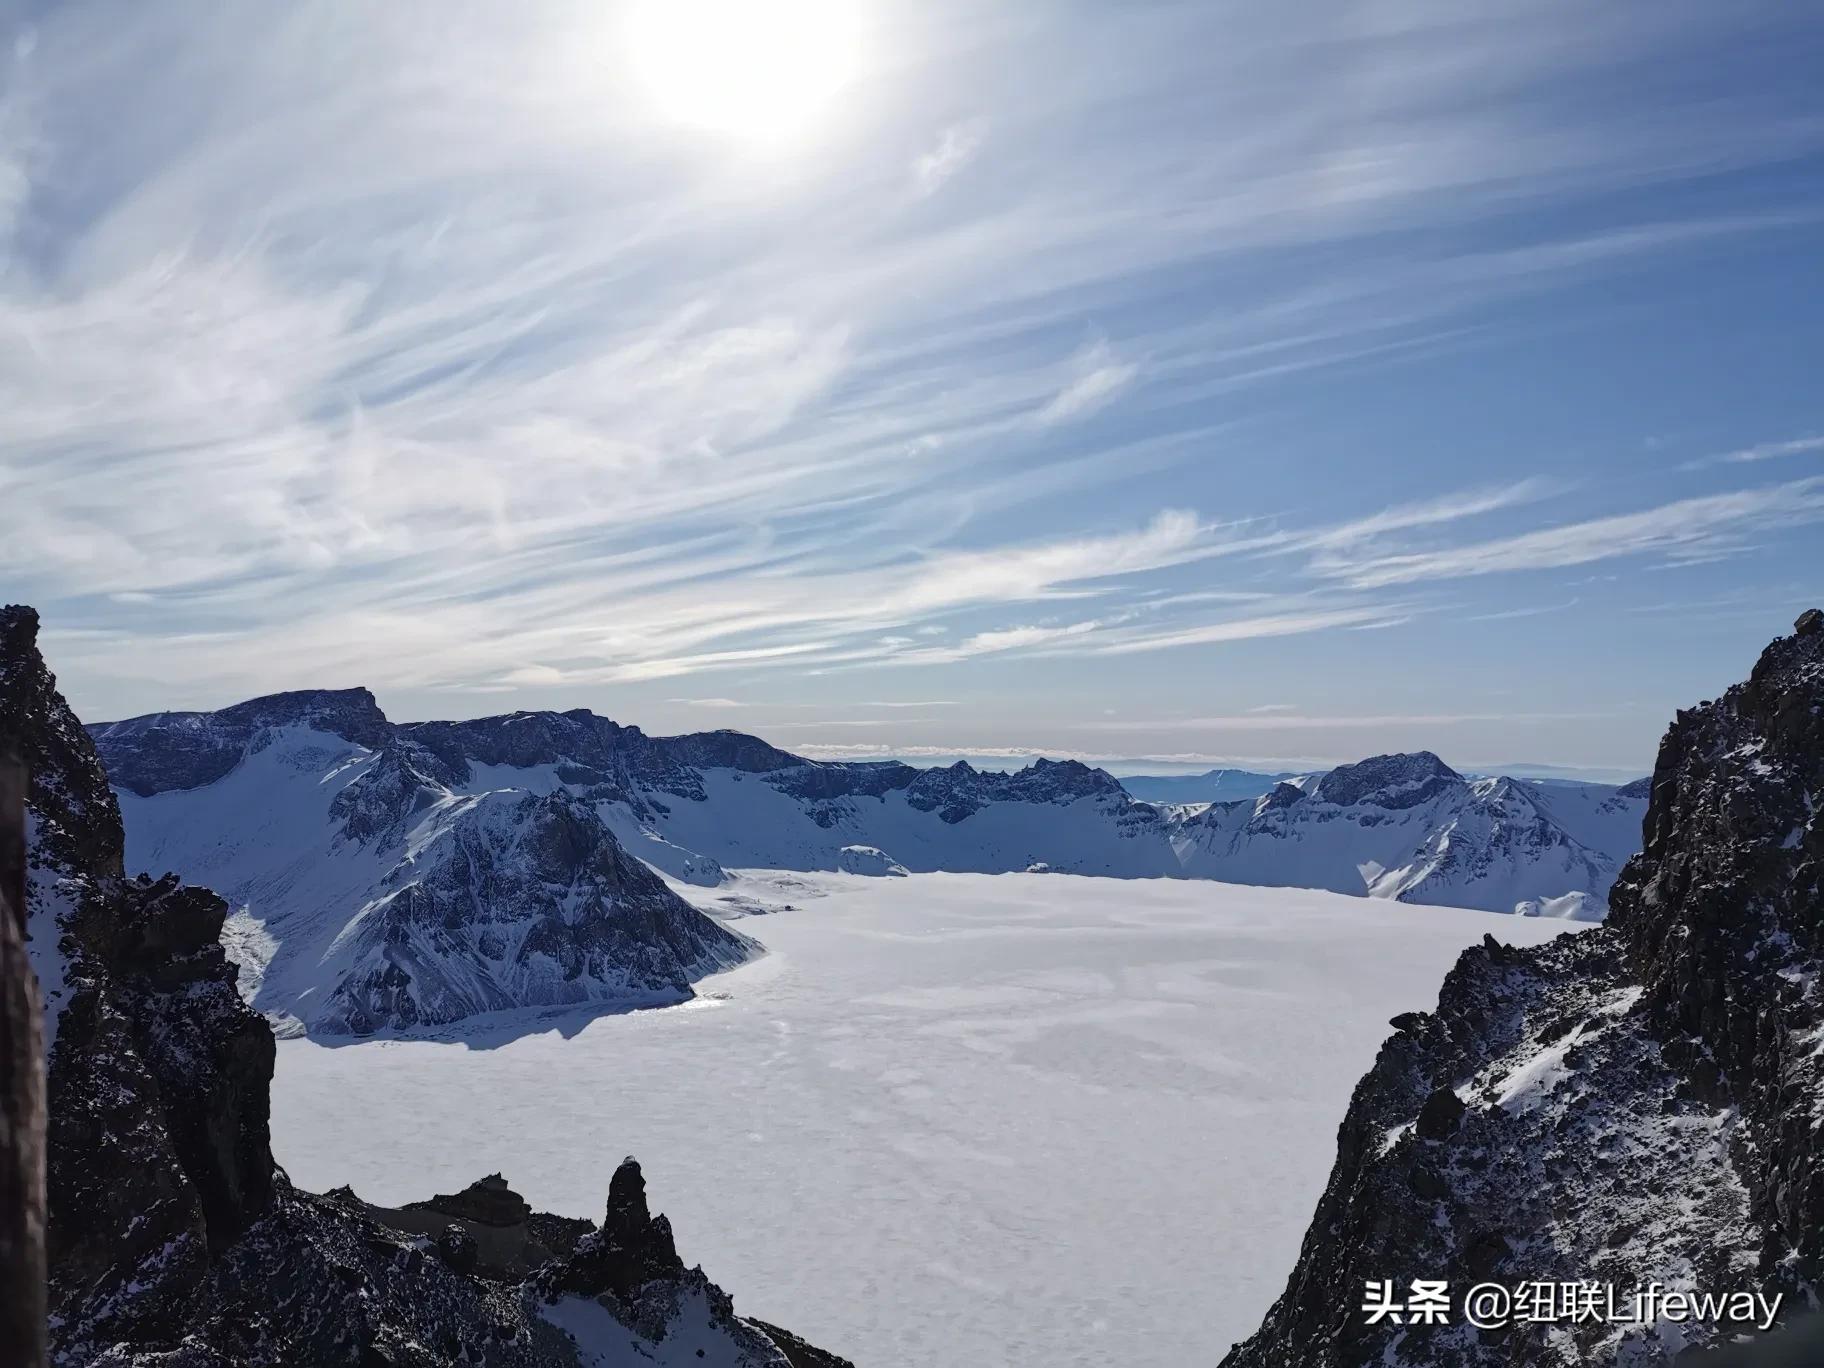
(396,876)
(1212,786)
(1228,785)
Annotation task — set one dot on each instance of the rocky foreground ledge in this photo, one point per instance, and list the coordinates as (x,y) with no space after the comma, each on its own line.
(1635,1105)
(173,1238)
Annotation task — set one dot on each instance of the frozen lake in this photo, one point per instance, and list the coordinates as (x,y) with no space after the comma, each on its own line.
(1029,1120)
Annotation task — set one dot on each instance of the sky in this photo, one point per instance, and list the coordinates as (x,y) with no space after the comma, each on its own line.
(1192,383)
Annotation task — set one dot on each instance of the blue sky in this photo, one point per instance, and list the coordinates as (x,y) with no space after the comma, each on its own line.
(1203,381)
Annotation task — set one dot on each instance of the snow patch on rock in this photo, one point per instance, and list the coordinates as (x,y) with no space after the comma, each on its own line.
(869,860)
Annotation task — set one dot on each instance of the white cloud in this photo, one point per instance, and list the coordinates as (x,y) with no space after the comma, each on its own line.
(1767,451)
(841,722)
(1435,512)
(1006,639)
(1099,376)
(954,150)
(1686,526)
(1249,629)
(346,348)
(1511,613)
(1254,722)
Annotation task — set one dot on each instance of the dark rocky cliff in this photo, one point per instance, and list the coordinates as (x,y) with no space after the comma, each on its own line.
(22,1104)
(1635,1104)
(173,1238)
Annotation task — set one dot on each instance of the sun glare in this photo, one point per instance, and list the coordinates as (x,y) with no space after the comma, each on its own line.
(758,69)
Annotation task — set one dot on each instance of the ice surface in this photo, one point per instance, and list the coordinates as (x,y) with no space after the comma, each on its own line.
(951,1118)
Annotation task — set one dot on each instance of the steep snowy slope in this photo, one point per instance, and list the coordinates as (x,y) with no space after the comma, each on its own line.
(370,895)
(1410,827)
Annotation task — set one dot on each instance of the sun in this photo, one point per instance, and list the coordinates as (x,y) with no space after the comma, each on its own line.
(763,70)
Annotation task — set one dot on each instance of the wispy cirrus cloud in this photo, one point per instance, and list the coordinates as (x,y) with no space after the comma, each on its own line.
(1510,614)
(1757,452)
(1435,512)
(773,705)
(351,348)
(1685,527)
(956,147)
(1767,451)
(1249,629)
(1301,721)
(1099,375)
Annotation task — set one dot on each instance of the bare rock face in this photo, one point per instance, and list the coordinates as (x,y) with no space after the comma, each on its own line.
(630,1249)
(869,861)
(156,1068)
(525,900)
(173,1239)
(22,1266)
(1636,1103)
(630,1266)
(183,750)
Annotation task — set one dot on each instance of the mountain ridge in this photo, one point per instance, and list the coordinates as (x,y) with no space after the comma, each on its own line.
(675,802)
(397,877)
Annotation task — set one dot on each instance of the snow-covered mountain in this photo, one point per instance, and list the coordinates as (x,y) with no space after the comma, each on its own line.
(1212,786)
(1412,828)
(401,875)
(378,888)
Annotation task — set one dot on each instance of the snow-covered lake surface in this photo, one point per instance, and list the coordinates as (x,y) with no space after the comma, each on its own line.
(952,1118)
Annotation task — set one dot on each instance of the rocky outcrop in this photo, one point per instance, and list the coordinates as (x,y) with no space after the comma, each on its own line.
(22,1104)
(183,750)
(600,759)
(630,1265)
(521,900)
(1637,1104)
(1409,827)
(489,1227)
(1393,782)
(173,1238)
(388,898)
(870,861)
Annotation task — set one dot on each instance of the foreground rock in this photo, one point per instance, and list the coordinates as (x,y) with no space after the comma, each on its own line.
(22,1120)
(173,1238)
(1632,1105)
